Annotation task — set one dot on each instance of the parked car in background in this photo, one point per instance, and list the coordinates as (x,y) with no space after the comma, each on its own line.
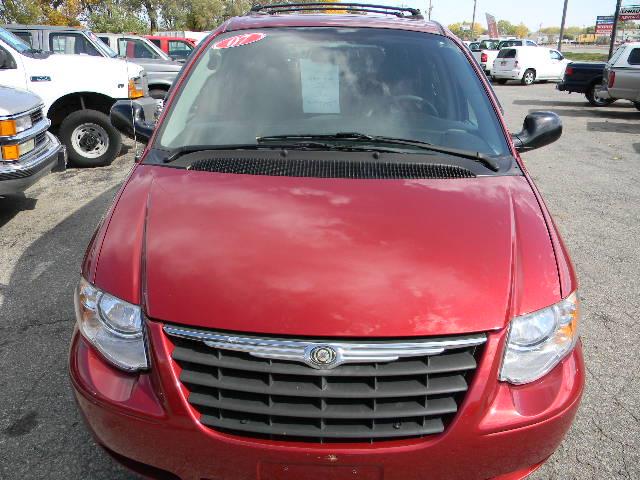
(161,70)
(586,78)
(63,40)
(27,151)
(482,52)
(474,46)
(621,79)
(489,54)
(177,48)
(77,91)
(229,322)
(528,65)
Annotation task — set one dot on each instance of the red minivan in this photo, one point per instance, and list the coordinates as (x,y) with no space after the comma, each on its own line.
(329,263)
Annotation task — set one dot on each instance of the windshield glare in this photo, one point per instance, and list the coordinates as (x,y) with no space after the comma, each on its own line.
(14,41)
(317,81)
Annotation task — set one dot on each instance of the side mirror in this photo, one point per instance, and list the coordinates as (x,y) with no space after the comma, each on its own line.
(539,129)
(128,117)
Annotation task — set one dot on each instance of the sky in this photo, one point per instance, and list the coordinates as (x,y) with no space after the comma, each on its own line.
(532,12)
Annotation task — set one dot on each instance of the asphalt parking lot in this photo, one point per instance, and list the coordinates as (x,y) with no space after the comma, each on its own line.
(590,180)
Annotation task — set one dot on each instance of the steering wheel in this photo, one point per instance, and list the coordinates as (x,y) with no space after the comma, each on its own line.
(421,103)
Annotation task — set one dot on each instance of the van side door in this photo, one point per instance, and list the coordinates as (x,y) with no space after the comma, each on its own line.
(557,65)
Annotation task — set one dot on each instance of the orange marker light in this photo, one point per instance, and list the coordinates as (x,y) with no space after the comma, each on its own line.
(10,152)
(7,128)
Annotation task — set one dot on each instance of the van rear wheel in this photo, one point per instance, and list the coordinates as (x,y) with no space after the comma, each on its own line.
(529,77)
(90,138)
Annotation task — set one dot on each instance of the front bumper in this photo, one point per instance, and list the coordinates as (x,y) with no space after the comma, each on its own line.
(501,432)
(508,74)
(17,176)
(149,106)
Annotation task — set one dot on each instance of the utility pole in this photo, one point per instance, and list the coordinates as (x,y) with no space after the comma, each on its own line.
(430,8)
(564,19)
(473,21)
(615,28)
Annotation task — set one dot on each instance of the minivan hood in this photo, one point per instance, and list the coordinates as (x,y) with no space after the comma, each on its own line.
(330,257)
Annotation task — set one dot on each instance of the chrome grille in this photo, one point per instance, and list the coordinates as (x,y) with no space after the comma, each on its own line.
(40,138)
(36,116)
(239,393)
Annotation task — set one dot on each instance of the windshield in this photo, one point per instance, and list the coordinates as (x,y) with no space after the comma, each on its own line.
(16,43)
(100,45)
(489,44)
(319,81)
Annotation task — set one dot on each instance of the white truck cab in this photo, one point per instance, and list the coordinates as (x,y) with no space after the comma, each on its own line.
(78,92)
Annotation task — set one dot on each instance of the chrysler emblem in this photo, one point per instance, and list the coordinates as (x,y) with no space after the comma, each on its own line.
(321,356)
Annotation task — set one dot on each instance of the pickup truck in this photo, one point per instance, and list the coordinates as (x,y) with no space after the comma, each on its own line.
(71,40)
(586,78)
(621,79)
(78,92)
(161,70)
(27,151)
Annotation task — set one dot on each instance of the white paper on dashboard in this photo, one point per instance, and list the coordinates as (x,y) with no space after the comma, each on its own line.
(320,87)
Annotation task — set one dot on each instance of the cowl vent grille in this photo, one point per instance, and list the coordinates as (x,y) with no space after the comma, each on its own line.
(329,168)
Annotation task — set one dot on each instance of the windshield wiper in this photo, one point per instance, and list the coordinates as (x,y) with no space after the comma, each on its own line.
(487,161)
(301,145)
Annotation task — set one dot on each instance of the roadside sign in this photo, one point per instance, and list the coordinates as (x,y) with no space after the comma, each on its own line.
(604,24)
(630,12)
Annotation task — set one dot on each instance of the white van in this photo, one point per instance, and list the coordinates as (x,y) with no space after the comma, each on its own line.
(528,65)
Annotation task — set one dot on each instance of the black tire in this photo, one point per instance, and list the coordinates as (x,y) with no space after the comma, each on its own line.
(501,81)
(158,93)
(595,101)
(637,105)
(97,143)
(529,77)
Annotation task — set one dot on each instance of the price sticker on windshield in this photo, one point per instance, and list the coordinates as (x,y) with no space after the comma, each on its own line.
(239,40)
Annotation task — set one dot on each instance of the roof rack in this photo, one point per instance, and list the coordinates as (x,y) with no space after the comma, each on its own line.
(401,12)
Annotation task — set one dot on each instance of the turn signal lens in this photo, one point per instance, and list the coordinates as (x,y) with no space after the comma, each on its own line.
(612,79)
(10,152)
(8,128)
(135,88)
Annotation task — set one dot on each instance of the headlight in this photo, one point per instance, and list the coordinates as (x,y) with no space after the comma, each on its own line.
(136,87)
(538,341)
(9,128)
(112,326)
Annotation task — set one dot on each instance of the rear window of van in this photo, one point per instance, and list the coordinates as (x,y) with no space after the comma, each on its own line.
(507,53)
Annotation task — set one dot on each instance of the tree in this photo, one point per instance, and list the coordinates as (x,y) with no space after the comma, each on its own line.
(463,30)
(115,16)
(505,27)
(521,31)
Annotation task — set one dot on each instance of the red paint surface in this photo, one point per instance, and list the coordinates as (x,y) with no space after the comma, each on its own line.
(491,437)
(329,257)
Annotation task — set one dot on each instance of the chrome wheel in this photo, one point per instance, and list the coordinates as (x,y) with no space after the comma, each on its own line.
(90,140)
(529,78)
